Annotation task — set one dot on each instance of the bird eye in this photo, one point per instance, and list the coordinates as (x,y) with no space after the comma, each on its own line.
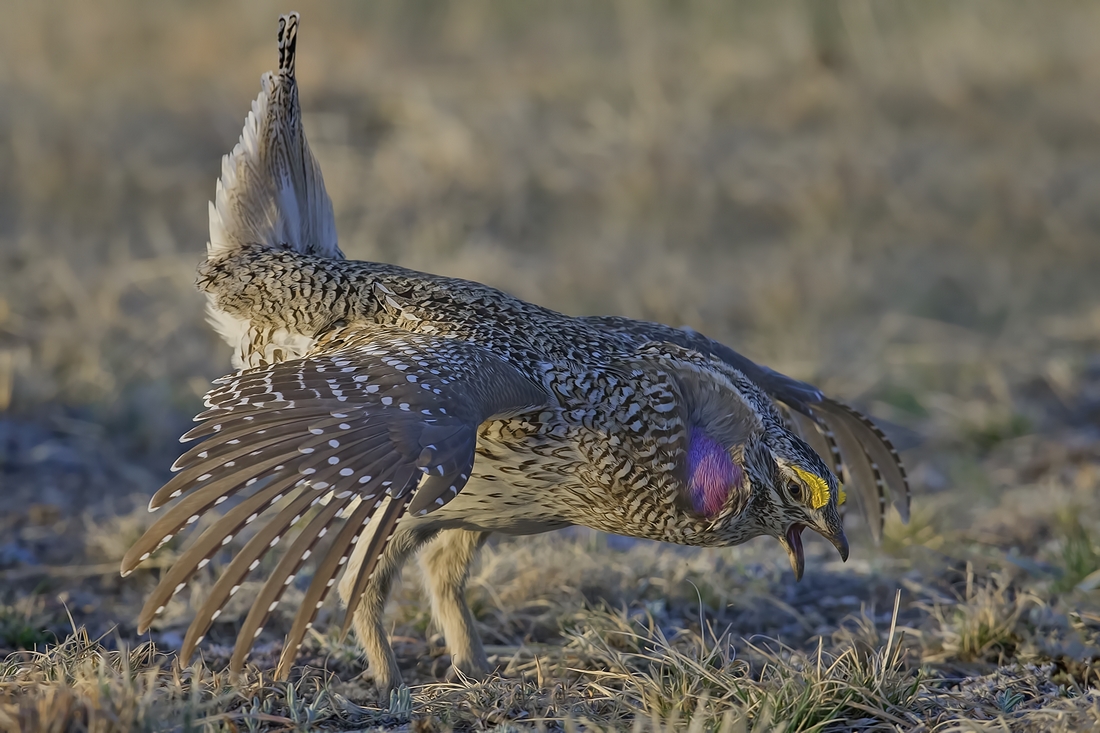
(794,489)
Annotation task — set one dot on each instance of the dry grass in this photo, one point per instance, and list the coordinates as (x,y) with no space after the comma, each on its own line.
(897,201)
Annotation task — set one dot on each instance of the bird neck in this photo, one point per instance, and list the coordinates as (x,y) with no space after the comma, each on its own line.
(712,474)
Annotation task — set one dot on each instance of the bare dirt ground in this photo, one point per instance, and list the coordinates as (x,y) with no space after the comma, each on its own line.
(897,202)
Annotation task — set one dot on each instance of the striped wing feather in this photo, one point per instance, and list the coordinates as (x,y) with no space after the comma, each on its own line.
(283,575)
(781,387)
(880,451)
(245,561)
(860,472)
(377,544)
(372,412)
(216,536)
(807,428)
(325,577)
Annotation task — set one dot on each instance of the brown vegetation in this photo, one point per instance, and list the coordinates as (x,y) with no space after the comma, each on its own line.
(896,201)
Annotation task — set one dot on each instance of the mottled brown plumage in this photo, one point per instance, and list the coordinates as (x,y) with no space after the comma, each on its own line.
(395,410)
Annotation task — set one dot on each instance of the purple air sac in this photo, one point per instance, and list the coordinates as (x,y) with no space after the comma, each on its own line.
(712,474)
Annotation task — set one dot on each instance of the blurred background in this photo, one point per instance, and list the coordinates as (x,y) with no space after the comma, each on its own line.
(896,201)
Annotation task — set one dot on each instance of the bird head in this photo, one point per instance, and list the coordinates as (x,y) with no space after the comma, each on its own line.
(805,494)
(749,472)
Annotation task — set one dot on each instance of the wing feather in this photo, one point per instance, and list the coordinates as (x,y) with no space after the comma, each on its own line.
(277,583)
(880,451)
(325,576)
(808,429)
(383,533)
(225,469)
(372,411)
(861,475)
(243,563)
(208,543)
(197,503)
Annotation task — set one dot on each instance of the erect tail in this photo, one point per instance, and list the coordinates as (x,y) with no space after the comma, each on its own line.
(271,192)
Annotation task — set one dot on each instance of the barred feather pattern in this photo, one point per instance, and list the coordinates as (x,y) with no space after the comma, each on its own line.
(374,414)
(376,398)
(847,440)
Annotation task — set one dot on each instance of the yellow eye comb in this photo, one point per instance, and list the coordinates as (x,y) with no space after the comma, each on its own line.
(819,490)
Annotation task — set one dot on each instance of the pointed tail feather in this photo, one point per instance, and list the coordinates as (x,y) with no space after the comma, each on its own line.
(271,192)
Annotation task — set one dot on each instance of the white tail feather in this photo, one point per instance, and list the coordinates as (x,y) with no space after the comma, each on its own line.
(271,192)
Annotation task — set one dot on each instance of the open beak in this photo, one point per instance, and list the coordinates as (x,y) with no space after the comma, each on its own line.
(792,543)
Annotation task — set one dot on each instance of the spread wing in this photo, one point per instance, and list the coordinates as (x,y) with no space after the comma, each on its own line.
(864,457)
(374,421)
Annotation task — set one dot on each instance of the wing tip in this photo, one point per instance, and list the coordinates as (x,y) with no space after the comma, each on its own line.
(133,558)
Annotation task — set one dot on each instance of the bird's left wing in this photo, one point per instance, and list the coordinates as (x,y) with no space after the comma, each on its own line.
(842,436)
(372,417)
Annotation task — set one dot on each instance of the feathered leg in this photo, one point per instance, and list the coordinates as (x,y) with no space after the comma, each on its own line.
(446,566)
(368,618)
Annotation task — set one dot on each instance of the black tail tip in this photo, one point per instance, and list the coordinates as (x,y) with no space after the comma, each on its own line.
(288,38)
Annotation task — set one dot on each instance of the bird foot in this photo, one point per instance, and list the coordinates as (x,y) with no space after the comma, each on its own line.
(463,671)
